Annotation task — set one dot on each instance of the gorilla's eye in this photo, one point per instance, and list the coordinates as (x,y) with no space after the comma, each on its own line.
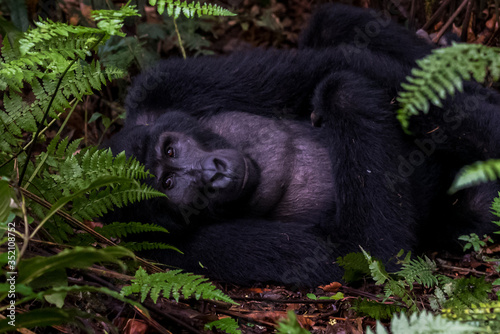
(169,151)
(168,182)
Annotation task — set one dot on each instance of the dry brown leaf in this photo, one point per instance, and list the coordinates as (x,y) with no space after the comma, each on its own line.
(135,326)
(332,287)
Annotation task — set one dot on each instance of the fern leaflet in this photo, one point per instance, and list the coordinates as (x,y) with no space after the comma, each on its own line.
(486,315)
(420,271)
(355,266)
(441,74)
(43,56)
(423,322)
(174,8)
(146,245)
(173,284)
(377,269)
(290,325)
(477,173)
(118,230)
(228,325)
(376,310)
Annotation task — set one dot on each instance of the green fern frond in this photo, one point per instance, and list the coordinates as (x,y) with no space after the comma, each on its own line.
(227,325)
(377,269)
(42,56)
(442,73)
(91,181)
(468,291)
(46,51)
(486,315)
(376,310)
(111,21)
(495,209)
(438,299)
(147,245)
(419,271)
(79,171)
(397,288)
(290,325)
(424,322)
(98,203)
(173,284)
(174,8)
(119,230)
(355,266)
(477,173)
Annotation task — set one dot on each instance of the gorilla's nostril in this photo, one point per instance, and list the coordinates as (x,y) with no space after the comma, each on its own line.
(220,165)
(217,176)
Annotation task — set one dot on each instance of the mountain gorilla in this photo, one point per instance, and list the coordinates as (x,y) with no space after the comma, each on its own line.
(256,193)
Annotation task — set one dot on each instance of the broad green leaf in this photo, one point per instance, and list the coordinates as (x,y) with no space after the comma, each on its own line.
(78,257)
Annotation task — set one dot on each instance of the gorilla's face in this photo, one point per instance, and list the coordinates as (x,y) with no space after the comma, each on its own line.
(190,174)
(198,170)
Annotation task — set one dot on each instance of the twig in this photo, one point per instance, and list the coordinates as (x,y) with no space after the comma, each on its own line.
(473,271)
(449,22)
(285,301)
(360,293)
(413,9)
(179,39)
(160,312)
(465,25)
(436,15)
(248,318)
(496,29)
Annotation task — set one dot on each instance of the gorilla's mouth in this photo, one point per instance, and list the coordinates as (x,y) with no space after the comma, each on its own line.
(236,178)
(229,173)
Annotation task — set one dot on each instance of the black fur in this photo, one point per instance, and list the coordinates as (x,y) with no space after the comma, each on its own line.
(266,196)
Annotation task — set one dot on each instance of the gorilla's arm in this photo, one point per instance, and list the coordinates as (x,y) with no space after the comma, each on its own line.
(276,82)
(366,142)
(250,251)
(259,82)
(282,82)
(465,128)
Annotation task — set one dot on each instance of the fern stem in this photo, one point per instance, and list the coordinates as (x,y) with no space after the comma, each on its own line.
(42,162)
(101,137)
(31,141)
(26,229)
(85,127)
(179,39)
(41,132)
(46,114)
